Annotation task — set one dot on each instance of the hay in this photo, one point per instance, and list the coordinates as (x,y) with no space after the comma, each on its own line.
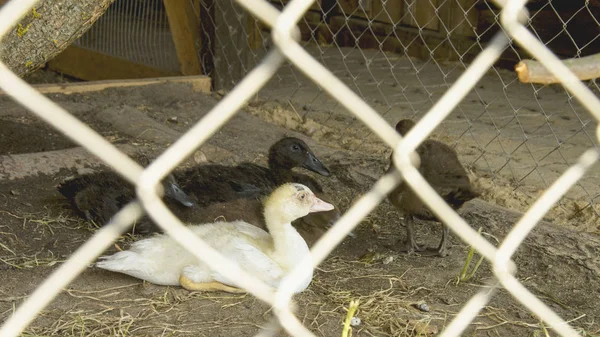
(385,310)
(115,312)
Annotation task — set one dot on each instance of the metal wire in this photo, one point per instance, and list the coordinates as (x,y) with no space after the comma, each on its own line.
(136,31)
(287,46)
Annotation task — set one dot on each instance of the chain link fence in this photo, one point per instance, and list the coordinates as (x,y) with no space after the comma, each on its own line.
(401,57)
(378,92)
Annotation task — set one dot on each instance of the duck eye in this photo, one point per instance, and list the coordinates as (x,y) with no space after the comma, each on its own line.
(295,147)
(302,196)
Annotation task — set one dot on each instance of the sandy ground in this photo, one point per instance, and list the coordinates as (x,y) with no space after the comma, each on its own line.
(38,230)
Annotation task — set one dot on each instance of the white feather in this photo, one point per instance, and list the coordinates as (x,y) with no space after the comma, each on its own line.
(268,256)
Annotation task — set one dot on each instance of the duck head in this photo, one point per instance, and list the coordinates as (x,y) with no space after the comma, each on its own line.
(174,191)
(291,152)
(402,127)
(292,201)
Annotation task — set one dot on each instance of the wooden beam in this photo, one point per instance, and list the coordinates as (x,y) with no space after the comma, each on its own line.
(254,37)
(370,35)
(585,68)
(185,27)
(461,23)
(90,65)
(200,83)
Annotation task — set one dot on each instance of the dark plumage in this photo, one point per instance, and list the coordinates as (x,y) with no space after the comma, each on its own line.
(99,196)
(444,172)
(218,183)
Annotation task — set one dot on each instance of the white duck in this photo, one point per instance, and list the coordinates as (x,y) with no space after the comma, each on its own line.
(268,256)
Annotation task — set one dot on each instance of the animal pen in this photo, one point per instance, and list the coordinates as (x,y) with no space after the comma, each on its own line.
(193,81)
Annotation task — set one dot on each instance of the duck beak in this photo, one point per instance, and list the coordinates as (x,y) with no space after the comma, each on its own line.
(314,164)
(174,191)
(320,206)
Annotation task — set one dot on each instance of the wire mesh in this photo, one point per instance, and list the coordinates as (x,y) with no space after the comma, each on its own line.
(137,31)
(445,92)
(519,138)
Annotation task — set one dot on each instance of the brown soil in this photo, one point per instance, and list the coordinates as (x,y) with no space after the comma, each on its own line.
(38,232)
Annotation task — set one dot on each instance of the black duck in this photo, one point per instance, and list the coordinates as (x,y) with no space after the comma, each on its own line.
(219,183)
(444,172)
(99,196)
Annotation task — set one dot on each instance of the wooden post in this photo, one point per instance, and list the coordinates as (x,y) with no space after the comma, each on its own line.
(231,48)
(464,25)
(254,37)
(185,27)
(91,65)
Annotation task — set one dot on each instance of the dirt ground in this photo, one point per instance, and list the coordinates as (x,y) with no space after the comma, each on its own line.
(38,231)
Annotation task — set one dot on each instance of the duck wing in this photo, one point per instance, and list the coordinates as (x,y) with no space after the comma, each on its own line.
(218,183)
(246,245)
(254,261)
(247,191)
(97,196)
(441,167)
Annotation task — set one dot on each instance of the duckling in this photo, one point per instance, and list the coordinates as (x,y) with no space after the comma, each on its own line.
(99,196)
(444,172)
(218,183)
(268,256)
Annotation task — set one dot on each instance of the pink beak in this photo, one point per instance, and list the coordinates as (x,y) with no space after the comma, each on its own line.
(320,206)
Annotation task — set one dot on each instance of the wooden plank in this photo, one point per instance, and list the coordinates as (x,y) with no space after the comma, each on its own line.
(2,2)
(89,65)
(426,14)
(355,8)
(315,6)
(184,26)
(200,83)
(421,40)
(255,40)
(389,11)
(410,8)
(421,14)
(463,17)
(312,28)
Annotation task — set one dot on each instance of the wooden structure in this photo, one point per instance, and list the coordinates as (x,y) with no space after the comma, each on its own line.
(449,29)
(198,83)
(89,64)
(415,27)
(568,27)
(215,38)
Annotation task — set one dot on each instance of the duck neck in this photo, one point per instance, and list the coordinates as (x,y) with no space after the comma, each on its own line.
(281,173)
(288,246)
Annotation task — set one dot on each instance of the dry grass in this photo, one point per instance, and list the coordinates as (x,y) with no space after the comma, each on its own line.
(116,311)
(386,309)
(45,224)
(389,303)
